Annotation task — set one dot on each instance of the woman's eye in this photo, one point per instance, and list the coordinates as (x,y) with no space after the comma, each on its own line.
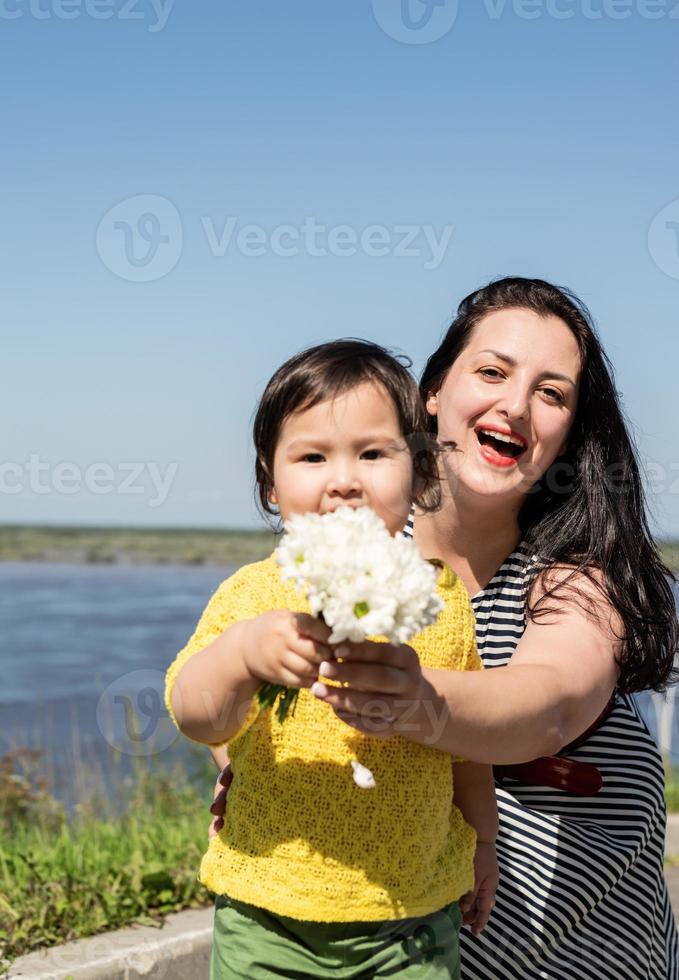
(554,394)
(490,373)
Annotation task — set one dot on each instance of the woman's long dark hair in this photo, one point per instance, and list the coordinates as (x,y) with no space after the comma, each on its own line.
(595,520)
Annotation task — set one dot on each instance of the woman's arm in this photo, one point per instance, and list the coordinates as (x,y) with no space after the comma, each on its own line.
(557,682)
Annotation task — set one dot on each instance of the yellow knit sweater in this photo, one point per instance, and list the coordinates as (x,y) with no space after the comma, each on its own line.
(300,838)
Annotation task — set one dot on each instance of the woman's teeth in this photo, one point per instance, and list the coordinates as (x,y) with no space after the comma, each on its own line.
(500,445)
(501,437)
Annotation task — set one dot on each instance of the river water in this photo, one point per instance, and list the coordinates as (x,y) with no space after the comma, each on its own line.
(83,652)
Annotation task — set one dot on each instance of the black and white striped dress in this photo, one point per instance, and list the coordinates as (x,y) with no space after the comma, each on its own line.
(582,894)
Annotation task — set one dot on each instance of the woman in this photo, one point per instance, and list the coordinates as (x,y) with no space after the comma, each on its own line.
(543,519)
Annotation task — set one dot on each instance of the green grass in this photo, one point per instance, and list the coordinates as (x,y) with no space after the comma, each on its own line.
(670,552)
(62,880)
(672,792)
(138,545)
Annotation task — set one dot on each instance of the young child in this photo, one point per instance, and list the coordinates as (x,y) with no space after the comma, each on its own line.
(315,876)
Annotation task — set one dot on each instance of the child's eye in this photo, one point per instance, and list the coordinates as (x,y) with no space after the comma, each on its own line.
(372,453)
(312,458)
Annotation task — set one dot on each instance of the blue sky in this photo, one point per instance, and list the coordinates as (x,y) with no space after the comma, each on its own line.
(190,193)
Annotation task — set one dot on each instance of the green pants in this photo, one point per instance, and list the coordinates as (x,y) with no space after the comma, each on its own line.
(253,944)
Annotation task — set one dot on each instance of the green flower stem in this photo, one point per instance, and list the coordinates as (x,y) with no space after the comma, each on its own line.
(269,694)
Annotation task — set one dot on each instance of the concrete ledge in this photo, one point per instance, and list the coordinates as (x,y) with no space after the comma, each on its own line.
(179,950)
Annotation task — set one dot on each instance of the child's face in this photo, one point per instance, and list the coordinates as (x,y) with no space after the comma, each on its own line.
(348,451)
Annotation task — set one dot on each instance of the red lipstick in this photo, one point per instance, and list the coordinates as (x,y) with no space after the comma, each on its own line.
(500,452)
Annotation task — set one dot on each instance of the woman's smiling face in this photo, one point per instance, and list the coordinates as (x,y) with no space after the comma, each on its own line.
(518,380)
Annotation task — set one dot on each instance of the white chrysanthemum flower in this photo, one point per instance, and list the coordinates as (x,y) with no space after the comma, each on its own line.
(357,608)
(361,579)
(414,582)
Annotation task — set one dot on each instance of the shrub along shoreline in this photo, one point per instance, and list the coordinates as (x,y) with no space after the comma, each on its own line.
(159,546)
(150,546)
(64,879)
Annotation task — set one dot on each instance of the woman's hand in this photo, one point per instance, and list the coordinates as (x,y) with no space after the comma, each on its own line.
(385,686)
(284,647)
(218,807)
(477,904)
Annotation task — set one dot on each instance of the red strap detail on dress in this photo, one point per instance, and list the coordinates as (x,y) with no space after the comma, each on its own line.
(580,778)
(569,775)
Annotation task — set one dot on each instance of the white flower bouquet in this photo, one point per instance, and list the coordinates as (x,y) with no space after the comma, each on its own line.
(359,578)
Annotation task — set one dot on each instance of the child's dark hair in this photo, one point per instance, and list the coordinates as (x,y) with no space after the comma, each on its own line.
(327,371)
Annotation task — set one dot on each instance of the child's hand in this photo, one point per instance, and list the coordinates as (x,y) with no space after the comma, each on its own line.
(284,647)
(383,681)
(477,904)
(218,805)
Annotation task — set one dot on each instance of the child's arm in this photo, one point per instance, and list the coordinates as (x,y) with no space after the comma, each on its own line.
(474,795)
(212,691)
